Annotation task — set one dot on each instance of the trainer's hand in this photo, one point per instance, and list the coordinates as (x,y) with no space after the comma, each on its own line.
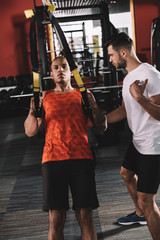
(137,89)
(99,117)
(91,99)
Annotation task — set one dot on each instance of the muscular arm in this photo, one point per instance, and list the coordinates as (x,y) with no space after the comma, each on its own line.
(32,124)
(151,105)
(99,117)
(117,115)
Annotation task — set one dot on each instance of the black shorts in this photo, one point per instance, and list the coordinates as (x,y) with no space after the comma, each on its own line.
(77,174)
(146,167)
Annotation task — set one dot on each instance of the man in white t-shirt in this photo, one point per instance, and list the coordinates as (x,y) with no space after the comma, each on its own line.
(141,106)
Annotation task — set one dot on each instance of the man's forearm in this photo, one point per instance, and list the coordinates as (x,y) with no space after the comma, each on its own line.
(31,125)
(116,115)
(151,108)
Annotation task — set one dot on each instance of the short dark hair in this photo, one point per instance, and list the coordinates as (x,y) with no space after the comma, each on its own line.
(58,57)
(120,40)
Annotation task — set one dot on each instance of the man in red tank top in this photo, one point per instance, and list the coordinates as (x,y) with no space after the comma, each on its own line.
(67,160)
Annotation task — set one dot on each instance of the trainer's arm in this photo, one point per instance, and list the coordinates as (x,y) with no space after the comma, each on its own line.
(32,124)
(99,117)
(151,105)
(117,115)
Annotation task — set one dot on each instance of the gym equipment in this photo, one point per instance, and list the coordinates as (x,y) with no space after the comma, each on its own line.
(10,81)
(155,43)
(3,82)
(41,16)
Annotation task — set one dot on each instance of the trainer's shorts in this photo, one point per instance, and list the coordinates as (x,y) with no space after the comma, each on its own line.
(146,167)
(58,176)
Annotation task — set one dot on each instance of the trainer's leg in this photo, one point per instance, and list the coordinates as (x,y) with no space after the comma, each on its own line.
(130,180)
(151,212)
(85,219)
(57,220)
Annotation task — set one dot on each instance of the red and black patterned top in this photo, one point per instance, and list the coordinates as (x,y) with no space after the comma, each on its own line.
(65,127)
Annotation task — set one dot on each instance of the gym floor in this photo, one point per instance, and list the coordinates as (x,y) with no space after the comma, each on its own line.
(21,217)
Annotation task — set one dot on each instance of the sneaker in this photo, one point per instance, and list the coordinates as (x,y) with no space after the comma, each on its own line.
(132,219)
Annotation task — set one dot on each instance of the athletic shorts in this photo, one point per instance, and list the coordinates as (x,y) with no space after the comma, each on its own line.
(59,176)
(146,167)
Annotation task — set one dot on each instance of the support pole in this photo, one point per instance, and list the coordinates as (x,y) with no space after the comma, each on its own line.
(108,29)
(106,32)
(50,39)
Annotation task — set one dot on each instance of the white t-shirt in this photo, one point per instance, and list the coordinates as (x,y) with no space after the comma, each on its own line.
(145,129)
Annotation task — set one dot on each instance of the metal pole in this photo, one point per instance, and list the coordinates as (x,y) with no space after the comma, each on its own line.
(106,32)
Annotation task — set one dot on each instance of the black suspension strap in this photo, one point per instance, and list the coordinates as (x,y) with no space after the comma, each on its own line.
(40,16)
(40,66)
(68,55)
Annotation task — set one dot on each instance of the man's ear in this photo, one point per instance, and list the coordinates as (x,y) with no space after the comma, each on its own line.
(123,53)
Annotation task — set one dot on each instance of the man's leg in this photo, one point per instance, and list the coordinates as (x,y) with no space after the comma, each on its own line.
(151,212)
(130,180)
(85,219)
(56,224)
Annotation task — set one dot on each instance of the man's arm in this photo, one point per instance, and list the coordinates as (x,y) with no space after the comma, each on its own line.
(151,105)
(117,115)
(99,117)
(32,124)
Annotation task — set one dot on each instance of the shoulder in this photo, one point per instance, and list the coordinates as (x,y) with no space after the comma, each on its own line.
(148,71)
(150,68)
(77,91)
(153,84)
(152,72)
(46,93)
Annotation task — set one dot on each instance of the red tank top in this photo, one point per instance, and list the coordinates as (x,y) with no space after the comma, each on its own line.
(65,127)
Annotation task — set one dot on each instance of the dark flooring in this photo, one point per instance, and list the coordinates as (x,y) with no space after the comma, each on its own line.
(21,217)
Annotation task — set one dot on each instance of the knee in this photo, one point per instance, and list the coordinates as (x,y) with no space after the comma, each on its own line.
(127,175)
(57,219)
(84,216)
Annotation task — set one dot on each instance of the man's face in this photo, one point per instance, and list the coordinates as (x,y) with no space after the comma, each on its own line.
(115,58)
(60,71)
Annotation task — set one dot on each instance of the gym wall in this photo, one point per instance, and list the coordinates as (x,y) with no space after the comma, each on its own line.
(145,11)
(14,40)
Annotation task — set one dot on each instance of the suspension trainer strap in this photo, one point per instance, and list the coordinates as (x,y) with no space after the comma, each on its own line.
(68,55)
(40,66)
(35,65)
